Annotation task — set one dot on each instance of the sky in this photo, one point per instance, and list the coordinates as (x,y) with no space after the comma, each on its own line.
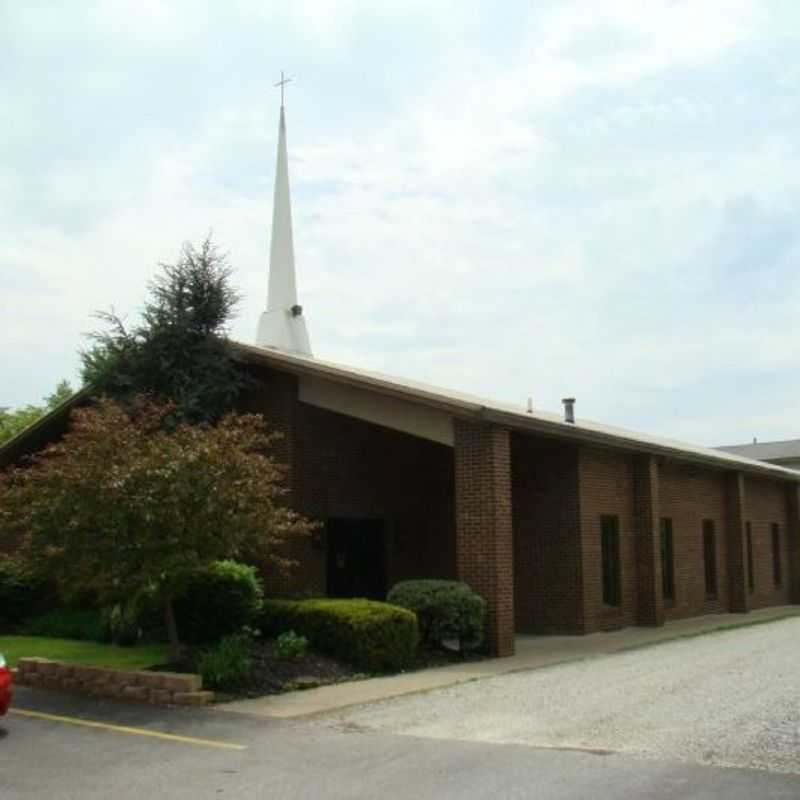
(595,199)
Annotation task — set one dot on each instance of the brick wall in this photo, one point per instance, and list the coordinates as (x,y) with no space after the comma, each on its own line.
(548,585)
(688,495)
(549,576)
(647,514)
(793,540)
(344,467)
(484,538)
(765,503)
(607,488)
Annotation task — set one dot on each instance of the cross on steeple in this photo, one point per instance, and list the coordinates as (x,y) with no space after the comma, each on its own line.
(282,325)
(282,82)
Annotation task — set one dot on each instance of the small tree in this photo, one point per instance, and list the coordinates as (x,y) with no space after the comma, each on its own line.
(13,421)
(178,353)
(122,503)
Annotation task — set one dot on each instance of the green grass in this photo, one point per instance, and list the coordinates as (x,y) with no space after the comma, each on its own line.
(78,652)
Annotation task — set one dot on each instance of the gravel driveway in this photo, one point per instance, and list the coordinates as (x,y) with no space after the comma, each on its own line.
(729,698)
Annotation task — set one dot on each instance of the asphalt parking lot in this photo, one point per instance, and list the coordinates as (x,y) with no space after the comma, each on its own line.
(60,746)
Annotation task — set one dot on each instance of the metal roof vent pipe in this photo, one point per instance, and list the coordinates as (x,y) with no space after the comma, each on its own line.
(569,409)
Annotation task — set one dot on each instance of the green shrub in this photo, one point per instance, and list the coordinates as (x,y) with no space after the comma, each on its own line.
(290,646)
(69,623)
(218,601)
(227,665)
(370,635)
(445,610)
(20,597)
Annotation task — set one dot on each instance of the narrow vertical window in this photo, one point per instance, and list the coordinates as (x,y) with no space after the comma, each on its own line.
(667,564)
(710,557)
(609,534)
(776,554)
(751,577)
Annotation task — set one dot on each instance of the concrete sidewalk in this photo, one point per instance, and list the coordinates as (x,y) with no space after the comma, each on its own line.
(533,652)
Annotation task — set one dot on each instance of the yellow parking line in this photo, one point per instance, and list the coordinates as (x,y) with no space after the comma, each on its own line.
(87,723)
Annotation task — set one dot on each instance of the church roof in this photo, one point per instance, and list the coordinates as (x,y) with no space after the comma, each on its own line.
(459,404)
(509,415)
(43,431)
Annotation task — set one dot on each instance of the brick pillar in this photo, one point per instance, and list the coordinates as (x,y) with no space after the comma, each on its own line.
(484,545)
(650,597)
(736,500)
(793,540)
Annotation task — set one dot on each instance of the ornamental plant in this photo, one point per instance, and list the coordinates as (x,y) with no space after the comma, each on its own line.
(124,503)
(290,646)
(446,610)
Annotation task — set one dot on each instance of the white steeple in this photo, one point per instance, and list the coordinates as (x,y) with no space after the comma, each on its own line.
(282,325)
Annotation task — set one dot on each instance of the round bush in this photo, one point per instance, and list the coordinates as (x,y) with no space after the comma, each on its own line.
(445,610)
(218,601)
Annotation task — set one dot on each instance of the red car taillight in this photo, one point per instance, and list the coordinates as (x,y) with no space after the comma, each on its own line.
(5,686)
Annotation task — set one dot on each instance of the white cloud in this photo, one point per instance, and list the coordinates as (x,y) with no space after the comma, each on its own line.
(535,219)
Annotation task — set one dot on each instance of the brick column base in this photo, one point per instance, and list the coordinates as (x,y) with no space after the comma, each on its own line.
(484,545)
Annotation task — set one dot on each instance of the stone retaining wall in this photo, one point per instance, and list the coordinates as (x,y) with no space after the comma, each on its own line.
(150,687)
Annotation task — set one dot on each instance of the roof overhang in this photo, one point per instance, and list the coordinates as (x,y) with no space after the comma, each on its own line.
(43,431)
(462,406)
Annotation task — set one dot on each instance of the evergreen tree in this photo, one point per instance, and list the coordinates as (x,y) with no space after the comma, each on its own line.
(178,352)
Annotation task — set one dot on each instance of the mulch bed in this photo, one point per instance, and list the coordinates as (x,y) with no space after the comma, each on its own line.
(271,675)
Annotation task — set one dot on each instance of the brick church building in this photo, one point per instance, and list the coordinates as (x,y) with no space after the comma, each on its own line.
(564,526)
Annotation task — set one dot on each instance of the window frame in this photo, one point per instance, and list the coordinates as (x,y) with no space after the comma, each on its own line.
(777,566)
(710,567)
(610,567)
(666,545)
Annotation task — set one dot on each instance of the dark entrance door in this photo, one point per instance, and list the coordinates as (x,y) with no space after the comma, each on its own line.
(356,558)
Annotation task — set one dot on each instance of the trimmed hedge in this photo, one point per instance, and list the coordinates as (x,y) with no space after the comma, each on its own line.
(444,609)
(217,602)
(372,636)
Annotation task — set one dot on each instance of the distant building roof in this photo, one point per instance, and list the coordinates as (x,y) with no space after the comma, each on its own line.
(786,450)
